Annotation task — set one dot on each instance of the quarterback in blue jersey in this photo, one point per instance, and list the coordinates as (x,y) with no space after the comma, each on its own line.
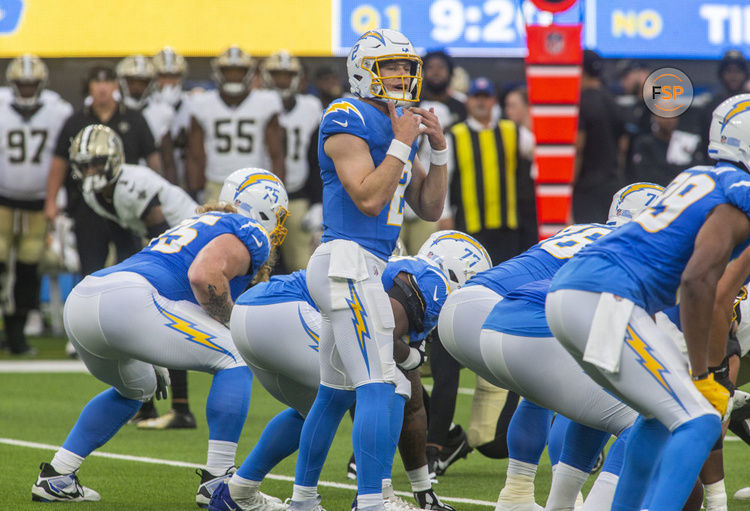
(466,310)
(168,306)
(366,150)
(276,328)
(600,306)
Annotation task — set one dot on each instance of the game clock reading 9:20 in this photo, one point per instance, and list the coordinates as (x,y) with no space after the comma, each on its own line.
(452,23)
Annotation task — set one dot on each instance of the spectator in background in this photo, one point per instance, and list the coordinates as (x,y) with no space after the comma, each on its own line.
(664,152)
(437,73)
(637,118)
(93,233)
(733,74)
(598,145)
(516,106)
(491,197)
(328,85)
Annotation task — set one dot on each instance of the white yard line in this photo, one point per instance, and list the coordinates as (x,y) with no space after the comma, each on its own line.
(184,464)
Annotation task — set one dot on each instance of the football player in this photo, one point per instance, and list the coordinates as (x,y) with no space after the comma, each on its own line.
(300,118)
(233,126)
(366,149)
(284,357)
(466,310)
(136,76)
(683,240)
(30,122)
(170,68)
(169,305)
(146,204)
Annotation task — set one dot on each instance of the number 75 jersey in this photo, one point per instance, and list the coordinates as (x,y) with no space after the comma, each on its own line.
(26,146)
(643,260)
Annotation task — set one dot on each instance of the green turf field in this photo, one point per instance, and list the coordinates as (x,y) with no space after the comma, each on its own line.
(41,408)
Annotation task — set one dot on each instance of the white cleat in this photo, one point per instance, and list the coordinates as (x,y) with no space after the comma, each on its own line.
(742,494)
(396,503)
(52,486)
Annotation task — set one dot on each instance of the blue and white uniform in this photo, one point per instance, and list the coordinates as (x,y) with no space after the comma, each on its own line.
(466,309)
(275,326)
(143,311)
(599,308)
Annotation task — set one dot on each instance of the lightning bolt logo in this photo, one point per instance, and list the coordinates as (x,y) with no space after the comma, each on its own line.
(455,235)
(636,187)
(309,331)
(373,33)
(344,106)
(190,331)
(742,106)
(255,178)
(358,320)
(649,362)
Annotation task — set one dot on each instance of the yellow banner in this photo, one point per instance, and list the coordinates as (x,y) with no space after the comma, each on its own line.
(93,28)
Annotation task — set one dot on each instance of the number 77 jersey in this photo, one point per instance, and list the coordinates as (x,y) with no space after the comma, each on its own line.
(644,259)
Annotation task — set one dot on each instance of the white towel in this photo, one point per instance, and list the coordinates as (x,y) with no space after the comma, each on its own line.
(347,261)
(604,345)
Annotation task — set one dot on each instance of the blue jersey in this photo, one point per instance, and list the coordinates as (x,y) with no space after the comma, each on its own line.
(432,285)
(643,260)
(341,217)
(521,312)
(167,258)
(280,289)
(540,261)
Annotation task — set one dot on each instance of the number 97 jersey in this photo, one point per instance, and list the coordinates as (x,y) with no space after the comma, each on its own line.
(643,260)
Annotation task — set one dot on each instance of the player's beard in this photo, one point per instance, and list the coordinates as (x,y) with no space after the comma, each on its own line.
(436,88)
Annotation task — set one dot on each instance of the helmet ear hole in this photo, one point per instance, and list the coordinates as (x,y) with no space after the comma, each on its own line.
(264,216)
(452,276)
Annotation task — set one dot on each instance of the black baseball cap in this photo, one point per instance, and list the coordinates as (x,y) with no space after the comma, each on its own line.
(101,73)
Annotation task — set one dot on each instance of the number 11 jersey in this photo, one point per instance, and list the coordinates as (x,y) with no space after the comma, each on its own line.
(644,259)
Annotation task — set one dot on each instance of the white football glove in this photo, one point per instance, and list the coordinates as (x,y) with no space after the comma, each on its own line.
(162,382)
(313,219)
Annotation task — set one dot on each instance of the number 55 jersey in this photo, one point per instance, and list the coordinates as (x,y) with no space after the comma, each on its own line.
(644,259)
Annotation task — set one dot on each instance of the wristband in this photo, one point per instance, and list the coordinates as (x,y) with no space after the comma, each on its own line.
(413,361)
(700,376)
(439,157)
(399,150)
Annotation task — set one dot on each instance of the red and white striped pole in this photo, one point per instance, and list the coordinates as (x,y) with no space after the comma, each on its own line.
(553,76)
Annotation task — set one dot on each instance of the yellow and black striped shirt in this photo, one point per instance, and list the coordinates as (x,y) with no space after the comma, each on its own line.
(490,178)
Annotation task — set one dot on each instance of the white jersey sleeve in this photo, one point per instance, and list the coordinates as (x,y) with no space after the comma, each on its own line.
(26,147)
(159,116)
(299,123)
(234,137)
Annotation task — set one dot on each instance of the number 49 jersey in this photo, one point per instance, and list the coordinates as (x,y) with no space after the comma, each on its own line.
(167,258)
(26,146)
(644,259)
(341,217)
(540,261)
(234,137)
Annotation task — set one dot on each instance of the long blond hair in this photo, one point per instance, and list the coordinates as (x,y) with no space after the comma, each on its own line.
(264,272)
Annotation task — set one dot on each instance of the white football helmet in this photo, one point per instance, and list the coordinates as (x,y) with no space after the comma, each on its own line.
(282,61)
(233,57)
(367,55)
(135,67)
(630,200)
(96,146)
(26,69)
(260,195)
(729,134)
(458,255)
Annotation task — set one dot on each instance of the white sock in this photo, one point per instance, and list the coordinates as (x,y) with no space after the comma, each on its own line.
(369,500)
(602,493)
(241,488)
(66,462)
(716,496)
(388,489)
(220,456)
(303,493)
(567,481)
(519,483)
(419,479)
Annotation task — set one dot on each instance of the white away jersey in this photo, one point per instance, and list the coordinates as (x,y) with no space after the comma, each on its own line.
(137,188)
(26,147)
(299,123)
(234,137)
(159,116)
